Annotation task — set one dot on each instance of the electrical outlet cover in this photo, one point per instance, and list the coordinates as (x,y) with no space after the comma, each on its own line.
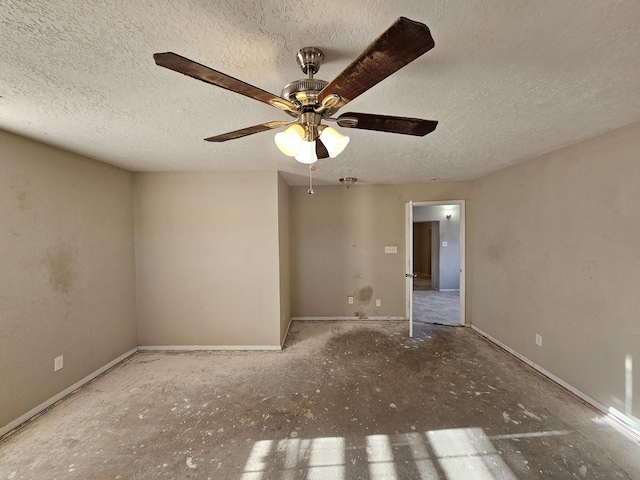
(58,363)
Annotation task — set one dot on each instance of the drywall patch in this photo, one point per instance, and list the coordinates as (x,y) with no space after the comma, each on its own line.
(60,268)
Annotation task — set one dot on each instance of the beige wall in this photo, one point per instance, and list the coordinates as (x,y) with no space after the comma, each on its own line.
(537,265)
(284,253)
(225,259)
(207,261)
(67,284)
(337,247)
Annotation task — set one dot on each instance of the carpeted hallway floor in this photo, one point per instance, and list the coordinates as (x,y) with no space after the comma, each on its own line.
(344,400)
(433,306)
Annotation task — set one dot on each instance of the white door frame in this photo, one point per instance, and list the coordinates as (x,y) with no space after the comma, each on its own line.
(409,255)
(408,264)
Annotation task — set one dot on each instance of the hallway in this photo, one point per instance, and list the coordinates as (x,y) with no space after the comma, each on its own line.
(432,306)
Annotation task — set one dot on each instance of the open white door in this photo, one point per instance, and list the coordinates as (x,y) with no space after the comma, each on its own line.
(409,262)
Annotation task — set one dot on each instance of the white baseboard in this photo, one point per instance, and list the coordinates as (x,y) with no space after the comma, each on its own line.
(284,337)
(43,406)
(622,420)
(449,290)
(347,318)
(194,348)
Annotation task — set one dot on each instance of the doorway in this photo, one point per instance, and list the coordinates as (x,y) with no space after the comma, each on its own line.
(435,262)
(426,255)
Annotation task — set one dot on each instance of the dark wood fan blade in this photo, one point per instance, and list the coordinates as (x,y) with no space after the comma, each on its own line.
(183,65)
(385,123)
(321,150)
(403,42)
(263,127)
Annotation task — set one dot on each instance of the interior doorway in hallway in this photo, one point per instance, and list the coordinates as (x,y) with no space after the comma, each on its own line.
(435,262)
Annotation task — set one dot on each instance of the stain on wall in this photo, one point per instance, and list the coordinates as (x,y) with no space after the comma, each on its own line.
(61,269)
(496,250)
(365,294)
(21,197)
(19,188)
(500,247)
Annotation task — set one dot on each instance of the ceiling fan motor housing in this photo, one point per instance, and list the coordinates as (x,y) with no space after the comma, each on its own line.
(304,91)
(310,59)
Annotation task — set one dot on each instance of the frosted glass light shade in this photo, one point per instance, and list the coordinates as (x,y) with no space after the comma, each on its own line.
(290,140)
(307,153)
(334,141)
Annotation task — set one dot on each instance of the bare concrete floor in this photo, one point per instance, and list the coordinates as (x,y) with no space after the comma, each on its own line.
(348,400)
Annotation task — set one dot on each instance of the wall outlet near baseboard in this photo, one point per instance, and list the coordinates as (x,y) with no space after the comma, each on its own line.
(350,300)
(58,363)
(538,339)
(378,302)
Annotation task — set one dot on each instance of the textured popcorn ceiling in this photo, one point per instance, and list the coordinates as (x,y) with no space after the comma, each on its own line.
(508,80)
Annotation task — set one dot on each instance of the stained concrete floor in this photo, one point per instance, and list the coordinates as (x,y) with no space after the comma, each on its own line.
(347,400)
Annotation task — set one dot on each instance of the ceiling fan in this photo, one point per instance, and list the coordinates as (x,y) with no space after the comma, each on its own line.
(311,100)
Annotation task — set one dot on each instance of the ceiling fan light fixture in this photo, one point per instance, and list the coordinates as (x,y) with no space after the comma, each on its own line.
(334,141)
(290,140)
(348,181)
(312,100)
(307,153)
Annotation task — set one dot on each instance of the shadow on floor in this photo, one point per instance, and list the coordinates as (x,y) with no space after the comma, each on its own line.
(344,400)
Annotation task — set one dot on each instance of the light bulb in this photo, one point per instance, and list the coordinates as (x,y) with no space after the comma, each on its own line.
(307,153)
(334,141)
(290,140)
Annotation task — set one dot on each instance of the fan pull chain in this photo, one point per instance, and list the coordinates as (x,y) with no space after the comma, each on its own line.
(311,170)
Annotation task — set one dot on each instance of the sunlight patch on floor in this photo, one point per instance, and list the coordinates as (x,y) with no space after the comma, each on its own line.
(468,453)
(450,454)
